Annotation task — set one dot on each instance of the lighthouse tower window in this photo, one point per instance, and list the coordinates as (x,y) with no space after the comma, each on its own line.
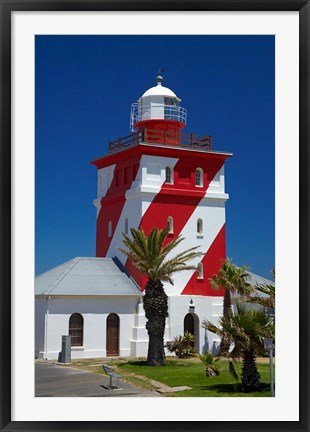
(110,229)
(199,177)
(200,271)
(199,227)
(126,226)
(170,224)
(169,175)
(170,101)
(126,175)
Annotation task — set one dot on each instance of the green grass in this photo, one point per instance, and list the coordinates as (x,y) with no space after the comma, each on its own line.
(191,373)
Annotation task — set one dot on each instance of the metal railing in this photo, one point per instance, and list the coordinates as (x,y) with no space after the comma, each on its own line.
(162,137)
(156,112)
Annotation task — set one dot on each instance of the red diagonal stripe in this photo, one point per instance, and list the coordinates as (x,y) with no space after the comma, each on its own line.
(181,199)
(178,200)
(211,264)
(113,203)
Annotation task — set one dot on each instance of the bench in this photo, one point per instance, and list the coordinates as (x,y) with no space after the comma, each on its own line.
(112,374)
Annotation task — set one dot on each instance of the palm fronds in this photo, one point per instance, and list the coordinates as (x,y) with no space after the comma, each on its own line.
(211,364)
(149,255)
(231,278)
(246,330)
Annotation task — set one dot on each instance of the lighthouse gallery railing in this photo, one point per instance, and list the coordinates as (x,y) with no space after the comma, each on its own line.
(162,138)
(162,111)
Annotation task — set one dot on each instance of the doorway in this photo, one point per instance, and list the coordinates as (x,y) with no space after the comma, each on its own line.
(112,335)
(191,325)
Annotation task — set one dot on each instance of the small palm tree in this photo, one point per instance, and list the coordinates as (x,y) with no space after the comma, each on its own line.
(211,364)
(247,330)
(233,280)
(149,255)
(182,346)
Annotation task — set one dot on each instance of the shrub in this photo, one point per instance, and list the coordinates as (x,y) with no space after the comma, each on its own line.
(211,364)
(182,346)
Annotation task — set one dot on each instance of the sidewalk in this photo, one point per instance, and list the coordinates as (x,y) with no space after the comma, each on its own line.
(64,381)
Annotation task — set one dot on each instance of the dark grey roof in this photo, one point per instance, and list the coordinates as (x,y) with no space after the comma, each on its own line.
(87,276)
(254,279)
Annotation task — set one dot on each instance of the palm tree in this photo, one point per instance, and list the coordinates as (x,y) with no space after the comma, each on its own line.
(268,292)
(233,280)
(247,330)
(148,254)
(267,302)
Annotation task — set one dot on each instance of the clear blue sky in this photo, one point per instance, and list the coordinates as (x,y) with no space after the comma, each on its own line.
(84,88)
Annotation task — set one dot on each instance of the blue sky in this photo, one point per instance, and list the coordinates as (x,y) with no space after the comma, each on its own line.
(84,89)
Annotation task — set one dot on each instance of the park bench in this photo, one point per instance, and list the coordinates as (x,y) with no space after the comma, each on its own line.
(112,374)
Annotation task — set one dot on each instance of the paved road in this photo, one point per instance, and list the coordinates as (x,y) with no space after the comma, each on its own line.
(64,381)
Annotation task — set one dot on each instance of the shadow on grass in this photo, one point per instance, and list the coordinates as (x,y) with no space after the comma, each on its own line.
(231,388)
(167,363)
(137,363)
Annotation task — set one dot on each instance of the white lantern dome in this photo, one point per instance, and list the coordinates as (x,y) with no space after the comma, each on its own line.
(160,90)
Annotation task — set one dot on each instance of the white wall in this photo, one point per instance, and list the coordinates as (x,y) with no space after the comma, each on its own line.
(205,308)
(133,340)
(40,308)
(153,107)
(94,312)
(104,180)
(217,185)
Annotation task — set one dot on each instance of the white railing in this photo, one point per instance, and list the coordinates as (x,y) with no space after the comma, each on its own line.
(158,111)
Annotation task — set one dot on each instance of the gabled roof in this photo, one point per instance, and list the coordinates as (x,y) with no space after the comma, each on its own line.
(254,279)
(87,276)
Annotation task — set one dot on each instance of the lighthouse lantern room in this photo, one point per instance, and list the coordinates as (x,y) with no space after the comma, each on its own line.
(158,110)
(159,176)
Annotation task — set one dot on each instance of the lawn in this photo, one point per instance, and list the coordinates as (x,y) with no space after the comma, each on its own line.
(189,373)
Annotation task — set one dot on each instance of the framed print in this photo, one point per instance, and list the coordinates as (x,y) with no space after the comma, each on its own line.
(72,75)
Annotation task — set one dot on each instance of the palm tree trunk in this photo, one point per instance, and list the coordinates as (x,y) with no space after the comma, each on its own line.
(250,375)
(155,303)
(225,342)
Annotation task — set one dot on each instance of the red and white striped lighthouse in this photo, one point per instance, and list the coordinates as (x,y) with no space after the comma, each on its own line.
(158,176)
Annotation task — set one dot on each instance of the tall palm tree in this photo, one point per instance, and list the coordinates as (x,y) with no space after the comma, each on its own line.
(247,330)
(233,280)
(149,255)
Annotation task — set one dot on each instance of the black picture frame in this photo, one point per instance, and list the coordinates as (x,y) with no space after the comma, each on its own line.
(9,6)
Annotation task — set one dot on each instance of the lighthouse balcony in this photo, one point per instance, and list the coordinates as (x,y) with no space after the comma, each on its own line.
(156,111)
(171,138)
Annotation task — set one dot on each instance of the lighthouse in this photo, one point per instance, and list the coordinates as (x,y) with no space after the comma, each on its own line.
(156,176)
(159,176)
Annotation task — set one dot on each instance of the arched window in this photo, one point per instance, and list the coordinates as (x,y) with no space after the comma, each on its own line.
(169,175)
(170,224)
(199,177)
(199,226)
(110,229)
(76,329)
(200,271)
(126,226)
